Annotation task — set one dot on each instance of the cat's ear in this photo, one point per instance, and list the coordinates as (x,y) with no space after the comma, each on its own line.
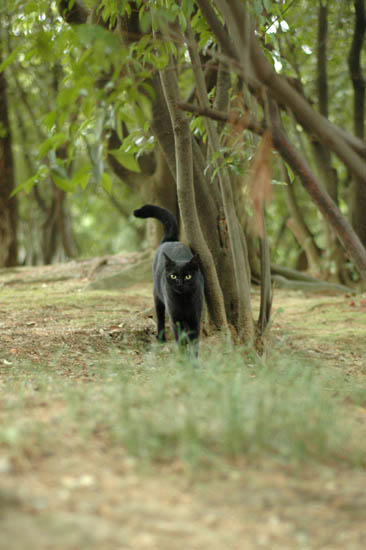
(195,262)
(168,261)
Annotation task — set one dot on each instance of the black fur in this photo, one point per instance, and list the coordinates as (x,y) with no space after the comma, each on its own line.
(178,281)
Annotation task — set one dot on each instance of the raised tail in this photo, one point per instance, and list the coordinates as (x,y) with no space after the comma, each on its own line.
(164,216)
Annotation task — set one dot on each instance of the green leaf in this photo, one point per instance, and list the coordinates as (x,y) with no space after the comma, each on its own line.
(150,90)
(27,185)
(187,8)
(145,19)
(106,182)
(52,142)
(126,159)
(64,184)
(82,176)
(142,44)
(9,60)
(257,7)
(49,120)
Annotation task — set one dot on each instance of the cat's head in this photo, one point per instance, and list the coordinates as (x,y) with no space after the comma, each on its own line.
(181,276)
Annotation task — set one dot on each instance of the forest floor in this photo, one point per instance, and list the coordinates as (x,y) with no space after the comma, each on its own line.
(75,474)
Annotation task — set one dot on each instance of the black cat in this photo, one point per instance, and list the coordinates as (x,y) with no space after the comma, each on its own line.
(178,281)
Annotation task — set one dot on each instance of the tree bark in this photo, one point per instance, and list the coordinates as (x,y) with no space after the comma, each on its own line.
(244,324)
(300,229)
(354,64)
(8,205)
(358,195)
(322,80)
(266,287)
(208,201)
(321,154)
(186,198)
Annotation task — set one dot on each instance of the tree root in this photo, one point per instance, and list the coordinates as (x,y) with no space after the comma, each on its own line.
(136,273)
(314,286)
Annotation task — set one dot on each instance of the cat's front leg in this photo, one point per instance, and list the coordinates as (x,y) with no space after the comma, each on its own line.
(193,337)
(175,326)
(186,336)
(160,318)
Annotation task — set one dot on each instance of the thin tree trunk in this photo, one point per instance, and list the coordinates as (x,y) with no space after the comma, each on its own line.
(186,198)
(245,326)
(322,79)
(322,155)
(354,64)
(206,197)
(8,206)
(206,200)
(302,232)
(266,286)
(223,84)
(358,196)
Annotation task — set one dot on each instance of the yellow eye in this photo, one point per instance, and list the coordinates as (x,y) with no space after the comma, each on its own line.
(188,277)
(172,276)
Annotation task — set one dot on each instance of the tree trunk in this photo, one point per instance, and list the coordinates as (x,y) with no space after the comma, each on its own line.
(327,174)
(8,209)
(244,322)
(298,226)
(358,196)
(207,199)
(186,197)
(163,192)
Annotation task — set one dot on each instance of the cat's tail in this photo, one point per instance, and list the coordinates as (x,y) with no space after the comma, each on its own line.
(169,222)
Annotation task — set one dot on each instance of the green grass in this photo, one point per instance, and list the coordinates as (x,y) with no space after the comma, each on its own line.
(228,406)
(231,406)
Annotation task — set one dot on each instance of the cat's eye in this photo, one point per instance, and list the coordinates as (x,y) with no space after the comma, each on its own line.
(172,276)
(189,276)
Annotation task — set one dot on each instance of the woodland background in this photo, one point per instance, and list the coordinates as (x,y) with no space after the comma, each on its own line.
(82,143)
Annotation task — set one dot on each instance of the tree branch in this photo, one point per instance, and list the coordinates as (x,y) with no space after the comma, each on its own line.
(218,29)
(223,84)
(346,234)
(244,121)
(282,91)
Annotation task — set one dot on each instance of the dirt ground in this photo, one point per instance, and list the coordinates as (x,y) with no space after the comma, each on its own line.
(84,494)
